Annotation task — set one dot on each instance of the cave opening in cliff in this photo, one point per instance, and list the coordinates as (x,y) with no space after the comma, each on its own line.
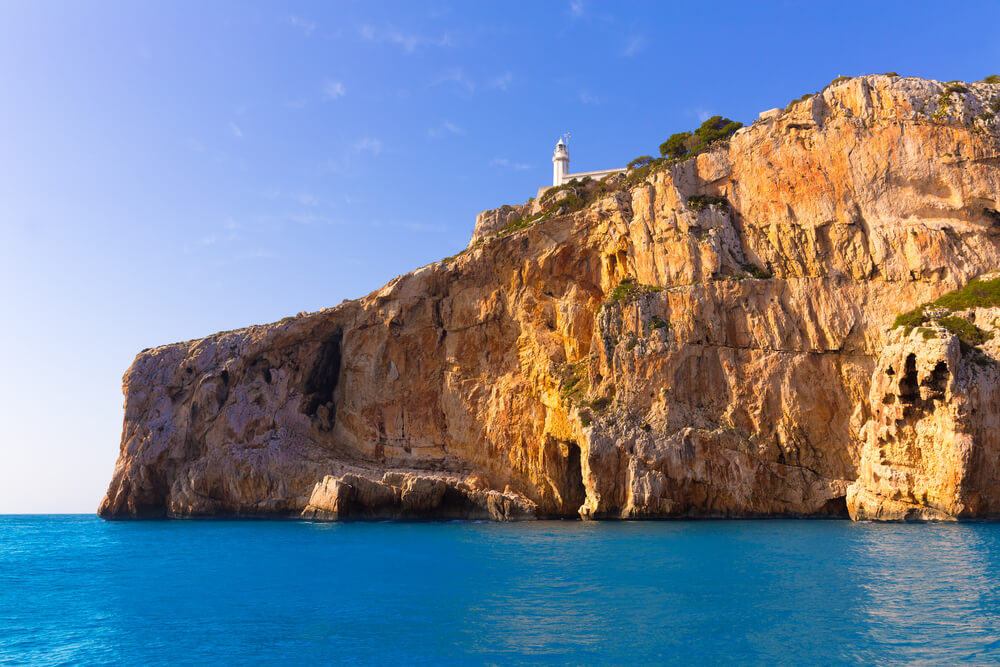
(322,380)
(909,390)
(937,381)
(835,507)
(575,492)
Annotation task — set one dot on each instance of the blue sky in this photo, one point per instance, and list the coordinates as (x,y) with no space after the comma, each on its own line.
(171,169)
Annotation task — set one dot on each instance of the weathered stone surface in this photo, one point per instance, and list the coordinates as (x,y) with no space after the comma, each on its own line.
(409,496)
(524,370)
(932,447)
(491,221)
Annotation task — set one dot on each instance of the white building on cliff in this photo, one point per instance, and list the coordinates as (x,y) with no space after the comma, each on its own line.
(560,166)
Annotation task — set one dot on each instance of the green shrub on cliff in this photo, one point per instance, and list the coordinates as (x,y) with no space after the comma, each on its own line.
(600,404)
(955,87)
(573,381)
(675,146)
(640,161)
(629,290)
(799,99)
(992,78)
(714,129)
(656,322)
(977,294)
(965,330)
(642,170)
(519,223)
(684,145)
(757,272)
(910,319)
(701,202)
(944,98)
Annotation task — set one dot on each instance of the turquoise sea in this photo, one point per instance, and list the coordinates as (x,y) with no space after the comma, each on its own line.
(77,590)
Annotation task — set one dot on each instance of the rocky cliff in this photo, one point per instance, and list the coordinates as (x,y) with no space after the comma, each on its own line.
(702,337)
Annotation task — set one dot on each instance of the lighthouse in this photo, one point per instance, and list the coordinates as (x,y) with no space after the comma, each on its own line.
(560,169)
(560,163)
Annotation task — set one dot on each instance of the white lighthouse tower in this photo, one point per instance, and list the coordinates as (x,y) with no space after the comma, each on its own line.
(560,162)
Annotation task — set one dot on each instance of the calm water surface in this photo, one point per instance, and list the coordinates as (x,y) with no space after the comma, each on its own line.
(74,589)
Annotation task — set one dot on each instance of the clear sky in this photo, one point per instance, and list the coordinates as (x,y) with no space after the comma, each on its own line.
(172,169)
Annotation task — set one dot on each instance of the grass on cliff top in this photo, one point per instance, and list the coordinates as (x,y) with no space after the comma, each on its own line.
(965,330)
(563,200)
(977,294)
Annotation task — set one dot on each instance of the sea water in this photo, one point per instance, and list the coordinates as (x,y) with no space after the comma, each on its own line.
(78,590)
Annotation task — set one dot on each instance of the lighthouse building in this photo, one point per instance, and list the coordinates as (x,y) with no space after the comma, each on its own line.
(560,167)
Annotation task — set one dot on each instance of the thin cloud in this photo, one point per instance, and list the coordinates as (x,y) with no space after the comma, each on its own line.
(333,89)
(700,113)
(446,127)
(302,24)
(297,217)
(307,219)
(296,104)
(301,197)
(504,162)
(501,82)
(409,42)
(456,76)
(235,129)
(576,8)
(233,230)
(367,145)
(587,98)
(633,46)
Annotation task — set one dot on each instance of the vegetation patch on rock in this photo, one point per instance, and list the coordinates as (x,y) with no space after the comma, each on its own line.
(979,293)
(656,322)
(944,98)
(701,202)
(684,145)
(629,290)
(573,381)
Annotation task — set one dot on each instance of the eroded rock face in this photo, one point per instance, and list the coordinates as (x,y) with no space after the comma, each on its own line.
(932,448)
(638,358)
(492,221)
(409,496)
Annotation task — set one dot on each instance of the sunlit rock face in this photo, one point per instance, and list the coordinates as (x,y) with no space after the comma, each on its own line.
(931,450)
(647,355)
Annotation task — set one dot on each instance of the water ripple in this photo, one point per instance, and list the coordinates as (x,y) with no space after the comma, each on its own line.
(74,589)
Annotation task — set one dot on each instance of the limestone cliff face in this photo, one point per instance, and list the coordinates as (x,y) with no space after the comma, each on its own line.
(648,355)
(932,448)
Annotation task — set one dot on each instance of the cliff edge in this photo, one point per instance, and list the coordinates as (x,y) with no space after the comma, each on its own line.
(702,337)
